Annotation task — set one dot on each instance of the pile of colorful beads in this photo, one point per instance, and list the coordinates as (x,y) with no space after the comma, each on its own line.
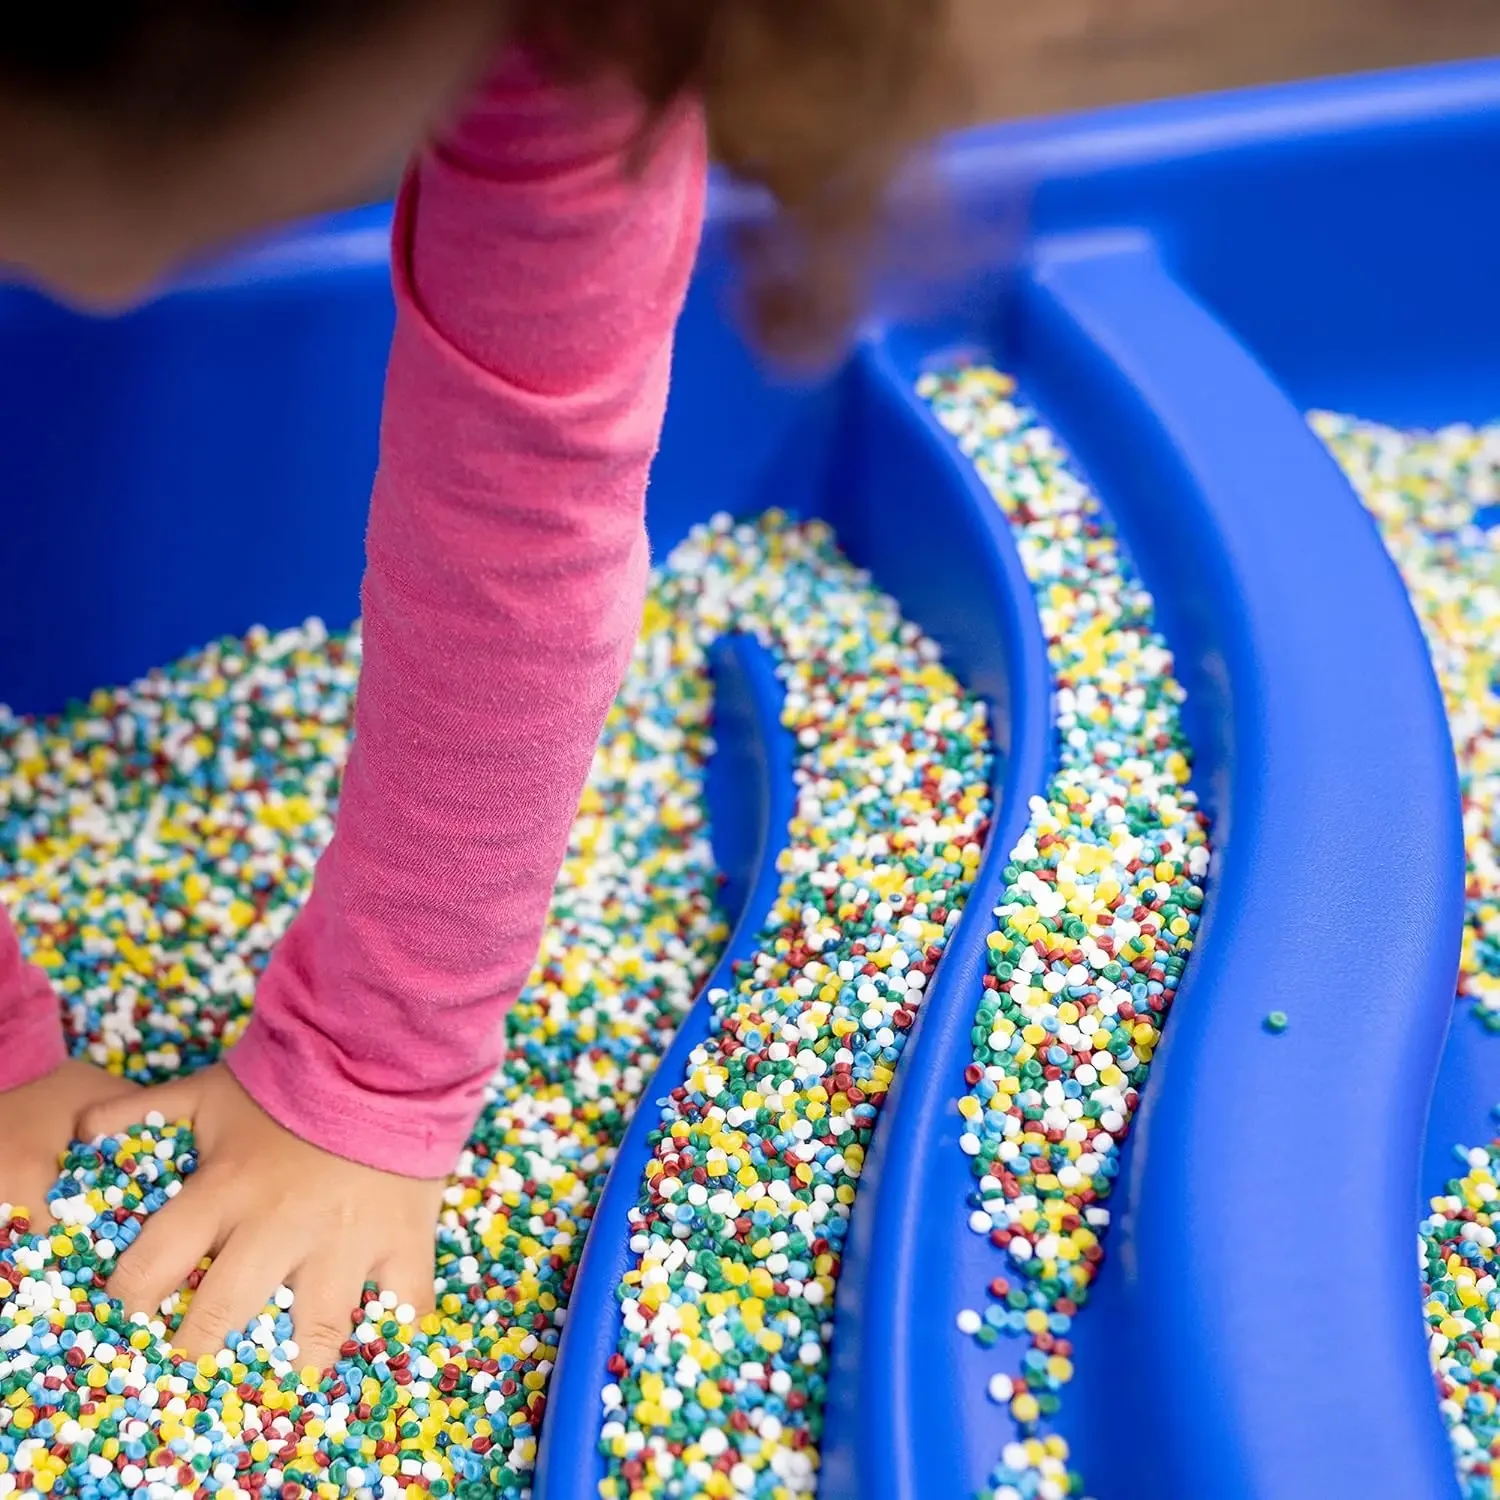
(1095,924)
(744,1208)
(1431,495)
(1461,1300)
(153,844)
(156,841)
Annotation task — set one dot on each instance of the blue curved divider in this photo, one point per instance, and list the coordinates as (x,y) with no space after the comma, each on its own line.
(751,799)
(909,1250)
(1330,776)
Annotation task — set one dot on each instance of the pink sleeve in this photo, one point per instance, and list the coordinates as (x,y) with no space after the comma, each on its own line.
(31,1035)
(537,288)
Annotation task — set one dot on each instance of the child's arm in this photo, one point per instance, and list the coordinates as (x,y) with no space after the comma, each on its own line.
(507,564)
(538,287)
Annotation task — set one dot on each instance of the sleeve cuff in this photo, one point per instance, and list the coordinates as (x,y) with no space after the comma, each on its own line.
(319,1103)
(32,1043)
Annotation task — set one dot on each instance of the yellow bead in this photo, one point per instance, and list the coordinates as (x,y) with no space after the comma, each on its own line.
(1024,1408)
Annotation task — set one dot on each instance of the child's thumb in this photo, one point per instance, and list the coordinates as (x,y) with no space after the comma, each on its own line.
(177,1100)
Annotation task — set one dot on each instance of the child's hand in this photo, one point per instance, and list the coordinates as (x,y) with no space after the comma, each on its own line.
(271,1210)
(39,1120)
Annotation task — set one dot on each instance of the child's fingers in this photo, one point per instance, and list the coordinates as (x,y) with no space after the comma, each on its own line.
(328,1287)
(174,1101)
(234,1291)
(168,1249)
(42,1221)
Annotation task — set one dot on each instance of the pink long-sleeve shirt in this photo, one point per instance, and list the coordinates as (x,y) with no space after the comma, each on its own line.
(537,284)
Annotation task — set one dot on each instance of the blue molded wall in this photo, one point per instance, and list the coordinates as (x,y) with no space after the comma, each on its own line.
(193,468)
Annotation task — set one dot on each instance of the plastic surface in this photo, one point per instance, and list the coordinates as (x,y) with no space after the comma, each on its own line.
(1199,274)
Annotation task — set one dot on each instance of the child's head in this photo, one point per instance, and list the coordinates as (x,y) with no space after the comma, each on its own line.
(137,134)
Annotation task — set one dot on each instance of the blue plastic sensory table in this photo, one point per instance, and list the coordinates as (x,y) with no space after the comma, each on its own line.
(1196,276)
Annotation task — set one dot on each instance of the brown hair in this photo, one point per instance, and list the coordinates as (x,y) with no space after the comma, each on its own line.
(817,100)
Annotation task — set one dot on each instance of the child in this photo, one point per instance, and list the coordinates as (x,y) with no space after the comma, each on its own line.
(542,245)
